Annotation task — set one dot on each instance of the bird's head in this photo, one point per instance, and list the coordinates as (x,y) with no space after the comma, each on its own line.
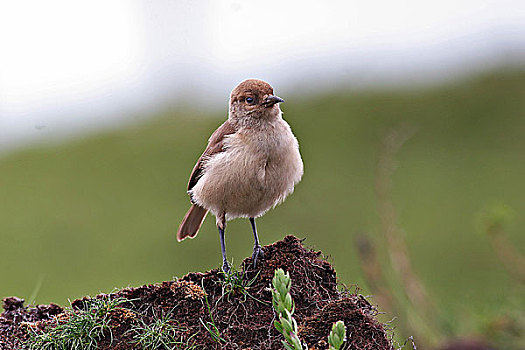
(254,98)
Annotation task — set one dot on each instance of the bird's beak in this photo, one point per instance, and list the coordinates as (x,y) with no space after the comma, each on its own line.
(271,100)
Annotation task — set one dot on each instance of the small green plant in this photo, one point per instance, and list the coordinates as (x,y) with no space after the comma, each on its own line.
(211,327)
(285,307)
(160,334)
(286,325)
(337,336)
(235,283)
(77,329)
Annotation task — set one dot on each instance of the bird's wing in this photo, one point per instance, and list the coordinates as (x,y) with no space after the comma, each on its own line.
(215,145)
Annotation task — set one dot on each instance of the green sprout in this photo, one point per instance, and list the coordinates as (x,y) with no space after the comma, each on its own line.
(337,336)
(285,307)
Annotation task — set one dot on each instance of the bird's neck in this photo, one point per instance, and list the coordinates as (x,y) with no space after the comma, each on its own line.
(255,119)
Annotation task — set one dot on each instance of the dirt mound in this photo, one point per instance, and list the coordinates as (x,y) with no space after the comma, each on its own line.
(208,311)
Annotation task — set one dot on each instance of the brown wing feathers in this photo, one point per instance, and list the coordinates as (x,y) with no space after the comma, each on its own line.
(193,219)
(215,145)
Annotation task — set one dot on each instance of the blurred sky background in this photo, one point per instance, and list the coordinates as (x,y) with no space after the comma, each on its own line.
(74,66)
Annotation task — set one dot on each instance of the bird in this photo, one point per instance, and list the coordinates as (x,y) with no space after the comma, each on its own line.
(251,164)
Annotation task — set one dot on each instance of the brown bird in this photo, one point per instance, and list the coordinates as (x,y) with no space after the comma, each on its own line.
(251,164)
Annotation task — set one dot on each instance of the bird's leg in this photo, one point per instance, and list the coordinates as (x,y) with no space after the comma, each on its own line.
(257,249)
(221,225)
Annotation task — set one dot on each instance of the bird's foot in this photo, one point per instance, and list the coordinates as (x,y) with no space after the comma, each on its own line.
(257,252)
(226,267)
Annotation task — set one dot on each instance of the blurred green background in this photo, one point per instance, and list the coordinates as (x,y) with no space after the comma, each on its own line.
(100,212)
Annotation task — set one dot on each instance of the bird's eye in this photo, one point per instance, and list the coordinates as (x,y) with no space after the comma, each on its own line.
(249,100)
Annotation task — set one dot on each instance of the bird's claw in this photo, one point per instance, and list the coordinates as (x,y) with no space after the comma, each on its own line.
(226,267)
(257,252)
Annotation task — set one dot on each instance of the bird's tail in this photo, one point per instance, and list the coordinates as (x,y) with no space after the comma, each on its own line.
(189,227)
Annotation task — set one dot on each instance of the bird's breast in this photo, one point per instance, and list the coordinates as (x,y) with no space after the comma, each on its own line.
(256,170)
